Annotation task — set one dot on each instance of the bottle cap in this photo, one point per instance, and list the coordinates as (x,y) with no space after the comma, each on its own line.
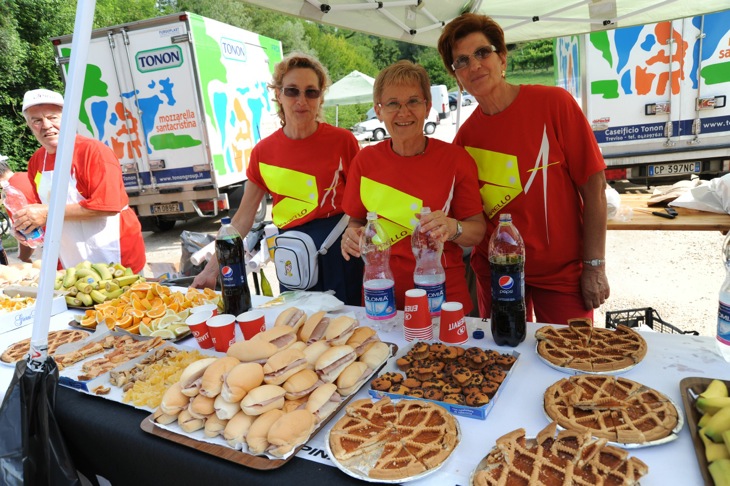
(226,220)
(478,334)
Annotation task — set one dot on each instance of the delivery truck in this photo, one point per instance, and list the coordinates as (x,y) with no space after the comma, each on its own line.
(181,100)
(655,95)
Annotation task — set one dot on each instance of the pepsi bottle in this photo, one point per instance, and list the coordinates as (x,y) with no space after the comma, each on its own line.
(507,265)
(229,252)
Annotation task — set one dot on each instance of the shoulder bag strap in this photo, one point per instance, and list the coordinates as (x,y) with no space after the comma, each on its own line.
(334,234)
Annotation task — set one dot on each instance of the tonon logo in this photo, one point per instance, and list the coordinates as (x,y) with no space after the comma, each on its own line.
(157,59)
(233,49)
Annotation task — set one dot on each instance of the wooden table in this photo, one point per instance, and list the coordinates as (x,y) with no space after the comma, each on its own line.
(686,220)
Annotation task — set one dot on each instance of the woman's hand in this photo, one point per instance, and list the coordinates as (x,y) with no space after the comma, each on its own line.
(438,226)
(209,276)
(351,241)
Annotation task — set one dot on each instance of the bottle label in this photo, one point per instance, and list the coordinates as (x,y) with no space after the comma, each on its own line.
(507,287)
(436,295)
(232,275)
(723,323)
(380,302)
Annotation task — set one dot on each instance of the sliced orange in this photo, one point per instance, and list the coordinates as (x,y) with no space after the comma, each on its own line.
(137,315)
(156,312)
(125,321)
(134,329)
(141,286)
(89,321)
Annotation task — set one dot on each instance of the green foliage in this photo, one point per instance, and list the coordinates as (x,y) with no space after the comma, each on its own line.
(532,55)
(348,115)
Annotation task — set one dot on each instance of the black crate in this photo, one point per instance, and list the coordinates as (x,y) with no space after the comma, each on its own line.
(644,315)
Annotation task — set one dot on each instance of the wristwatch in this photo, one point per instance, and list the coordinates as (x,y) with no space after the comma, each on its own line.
(459,230)
(594,263)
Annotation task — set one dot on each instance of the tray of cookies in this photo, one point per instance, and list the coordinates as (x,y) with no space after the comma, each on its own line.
(465,381)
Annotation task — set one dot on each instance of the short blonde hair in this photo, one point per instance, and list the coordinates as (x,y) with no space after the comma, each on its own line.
(299,60)
(401,73)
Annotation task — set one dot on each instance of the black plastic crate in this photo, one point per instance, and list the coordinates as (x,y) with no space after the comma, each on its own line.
(644,315)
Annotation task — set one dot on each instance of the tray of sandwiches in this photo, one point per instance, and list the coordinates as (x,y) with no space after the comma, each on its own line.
(389,442)
(555,458)
(465,381)
(259,404)
(581,348)
(621,411)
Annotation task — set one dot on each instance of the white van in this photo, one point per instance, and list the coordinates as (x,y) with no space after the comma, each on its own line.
(372,128)
(440,100)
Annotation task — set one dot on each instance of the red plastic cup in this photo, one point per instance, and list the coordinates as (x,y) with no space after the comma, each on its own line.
(205,308)
(416,316)
(198,324)
(452,328)
(222,331)
(251,323)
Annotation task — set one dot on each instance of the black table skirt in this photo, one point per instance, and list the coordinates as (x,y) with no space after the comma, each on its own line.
(105,439)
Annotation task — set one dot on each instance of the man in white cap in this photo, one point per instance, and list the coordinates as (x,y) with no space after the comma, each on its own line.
(99,225)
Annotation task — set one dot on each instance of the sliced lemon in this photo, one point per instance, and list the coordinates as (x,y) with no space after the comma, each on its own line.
(167,320)
(183,314)
(179,329)
(144,329)
(163,333)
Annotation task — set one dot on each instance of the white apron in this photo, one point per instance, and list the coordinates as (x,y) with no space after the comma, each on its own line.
(96,239)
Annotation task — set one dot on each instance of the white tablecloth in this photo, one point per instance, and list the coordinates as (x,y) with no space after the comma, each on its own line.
(670,358)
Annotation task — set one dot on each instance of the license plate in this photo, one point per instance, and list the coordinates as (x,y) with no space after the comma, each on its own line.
(674,168)
(167,208)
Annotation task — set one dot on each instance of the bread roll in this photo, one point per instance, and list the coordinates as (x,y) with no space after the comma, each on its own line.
(212,380)
(173,401)
(257,437)
(240,380)
(262,399)
(237,429)
(290,431)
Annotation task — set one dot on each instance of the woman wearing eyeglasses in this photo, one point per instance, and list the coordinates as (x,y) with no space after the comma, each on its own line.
(538,160)
(397,177)
(303,165)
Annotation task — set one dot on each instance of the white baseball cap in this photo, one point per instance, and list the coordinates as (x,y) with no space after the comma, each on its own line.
(41,97)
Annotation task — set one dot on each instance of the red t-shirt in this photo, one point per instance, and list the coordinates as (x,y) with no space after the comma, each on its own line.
(443,178)
(531,158)
(99,186)
(306,178)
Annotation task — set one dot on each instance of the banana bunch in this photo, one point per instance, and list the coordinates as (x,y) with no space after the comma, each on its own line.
(88,283)
(714,430)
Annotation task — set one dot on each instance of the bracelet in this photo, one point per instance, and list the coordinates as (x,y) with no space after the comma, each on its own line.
(594,263)
(459,230)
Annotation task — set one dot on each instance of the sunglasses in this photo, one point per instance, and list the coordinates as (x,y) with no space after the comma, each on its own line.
(309,93)
(480,54)
(412,104)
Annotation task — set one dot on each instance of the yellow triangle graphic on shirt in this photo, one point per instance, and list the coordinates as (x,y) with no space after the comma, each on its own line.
(396,209)
(299,191)
(501,177)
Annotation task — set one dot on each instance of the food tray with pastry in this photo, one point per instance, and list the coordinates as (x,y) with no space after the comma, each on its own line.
(258,405)
(622,411)
(581,348)
(20,349)
(392,442)
(17,306)
(465,381)
(82,361)
(714,396)
(142,381)
(556,457)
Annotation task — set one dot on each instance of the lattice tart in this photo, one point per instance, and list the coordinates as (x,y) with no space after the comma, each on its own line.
(580,346)
(387,441)
(571,457)
(18,350)
(617,409)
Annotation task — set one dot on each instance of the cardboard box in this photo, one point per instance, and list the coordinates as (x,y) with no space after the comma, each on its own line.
(24,317)
(479,413)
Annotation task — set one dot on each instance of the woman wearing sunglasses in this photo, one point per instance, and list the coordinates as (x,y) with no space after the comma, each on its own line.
(397,177)
(303,165)
(538,160)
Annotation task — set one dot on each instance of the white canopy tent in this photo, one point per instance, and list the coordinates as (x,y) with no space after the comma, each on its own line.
(354,88)
(420,21)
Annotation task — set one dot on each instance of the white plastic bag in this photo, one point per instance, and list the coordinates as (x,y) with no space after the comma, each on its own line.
(705,198)
(616,211)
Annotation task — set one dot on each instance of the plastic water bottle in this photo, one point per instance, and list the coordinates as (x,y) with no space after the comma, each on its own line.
(429,274)
(378,283)
(14,200)
(723,311)
(507,264)
(229,251)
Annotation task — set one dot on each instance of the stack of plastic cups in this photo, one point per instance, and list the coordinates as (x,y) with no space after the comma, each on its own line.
(417,318)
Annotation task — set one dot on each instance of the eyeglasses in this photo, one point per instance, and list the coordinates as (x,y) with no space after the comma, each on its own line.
(309,93)
(412,104)
(38,121)
(480,54)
